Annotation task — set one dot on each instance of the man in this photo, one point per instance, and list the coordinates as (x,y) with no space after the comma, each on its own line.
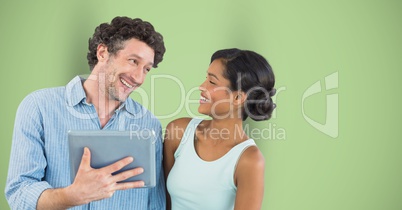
(120,56)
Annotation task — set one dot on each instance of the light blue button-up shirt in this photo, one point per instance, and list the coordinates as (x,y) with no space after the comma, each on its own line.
(39,153)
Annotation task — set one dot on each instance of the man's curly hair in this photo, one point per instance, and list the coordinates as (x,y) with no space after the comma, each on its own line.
(122,29)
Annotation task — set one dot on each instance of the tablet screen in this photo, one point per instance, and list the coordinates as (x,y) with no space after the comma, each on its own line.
(107,147)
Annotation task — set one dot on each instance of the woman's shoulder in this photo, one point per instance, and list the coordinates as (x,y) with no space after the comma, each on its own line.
(175,130)
(178,125)
(251,159)
(179,122)
(251,164)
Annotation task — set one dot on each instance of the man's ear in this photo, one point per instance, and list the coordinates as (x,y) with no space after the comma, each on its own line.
(101,52)
(239,98)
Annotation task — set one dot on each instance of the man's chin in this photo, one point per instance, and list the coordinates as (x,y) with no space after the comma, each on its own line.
(120,98)
(120,94)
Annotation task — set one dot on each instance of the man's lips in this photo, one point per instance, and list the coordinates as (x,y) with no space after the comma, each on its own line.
(127,84)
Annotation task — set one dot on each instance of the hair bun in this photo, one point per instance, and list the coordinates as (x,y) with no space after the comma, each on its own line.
(272,92)
(259,105)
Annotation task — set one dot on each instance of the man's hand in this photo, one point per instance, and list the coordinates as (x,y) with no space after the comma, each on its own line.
(95,184)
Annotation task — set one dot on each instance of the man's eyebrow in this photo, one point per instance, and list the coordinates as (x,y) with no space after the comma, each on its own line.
(140,58)
(212,75)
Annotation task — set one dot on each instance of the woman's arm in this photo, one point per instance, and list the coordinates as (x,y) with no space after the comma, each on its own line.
(173,134)
(249,179)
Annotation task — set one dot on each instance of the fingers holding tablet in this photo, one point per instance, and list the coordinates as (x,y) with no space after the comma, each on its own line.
(92,184)
(113,169)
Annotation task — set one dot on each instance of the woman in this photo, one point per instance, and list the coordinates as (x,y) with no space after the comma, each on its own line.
(213,164)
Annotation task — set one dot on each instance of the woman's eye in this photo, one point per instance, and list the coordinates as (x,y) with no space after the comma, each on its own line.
(212,82)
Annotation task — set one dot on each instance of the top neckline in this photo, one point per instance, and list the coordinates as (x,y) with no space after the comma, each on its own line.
(248,141)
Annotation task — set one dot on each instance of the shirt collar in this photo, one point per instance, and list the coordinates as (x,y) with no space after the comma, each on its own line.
(127,105)
(75,91)
(75,94)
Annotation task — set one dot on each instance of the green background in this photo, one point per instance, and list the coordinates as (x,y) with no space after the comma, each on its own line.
(44,44)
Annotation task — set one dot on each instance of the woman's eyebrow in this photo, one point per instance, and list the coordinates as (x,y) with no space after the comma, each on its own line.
(212,75)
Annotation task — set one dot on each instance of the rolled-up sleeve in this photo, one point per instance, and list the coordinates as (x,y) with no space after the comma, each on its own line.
(27,159)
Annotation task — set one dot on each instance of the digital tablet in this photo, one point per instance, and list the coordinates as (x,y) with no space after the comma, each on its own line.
(107,147)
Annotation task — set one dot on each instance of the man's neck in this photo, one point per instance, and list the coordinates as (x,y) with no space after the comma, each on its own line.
(104,106)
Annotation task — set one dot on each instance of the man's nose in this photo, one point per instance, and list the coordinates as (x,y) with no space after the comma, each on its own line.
(138,75)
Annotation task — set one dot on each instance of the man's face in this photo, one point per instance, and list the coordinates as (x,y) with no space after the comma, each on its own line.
(126,70)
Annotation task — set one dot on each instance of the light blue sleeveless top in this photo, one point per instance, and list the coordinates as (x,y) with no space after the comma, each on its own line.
(203,185)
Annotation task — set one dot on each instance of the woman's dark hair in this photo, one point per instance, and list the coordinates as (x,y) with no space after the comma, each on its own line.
(251,73)
(122,29)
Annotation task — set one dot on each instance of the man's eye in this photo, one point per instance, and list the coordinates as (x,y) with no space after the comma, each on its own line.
(212,82)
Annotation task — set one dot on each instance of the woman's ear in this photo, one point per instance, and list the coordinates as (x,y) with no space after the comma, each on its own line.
(102,53)
(239,98)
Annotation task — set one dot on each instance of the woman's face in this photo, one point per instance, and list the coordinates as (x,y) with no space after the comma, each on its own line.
(216,97)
